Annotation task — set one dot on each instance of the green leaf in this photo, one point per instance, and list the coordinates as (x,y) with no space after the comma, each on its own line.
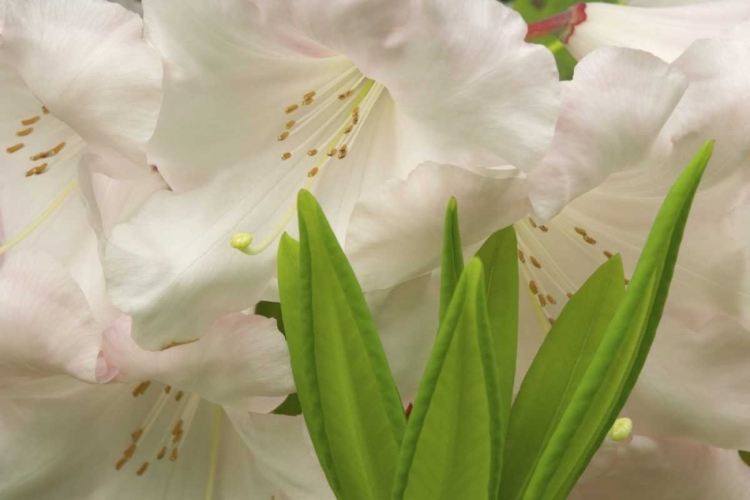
(453,257)
(620,357)
(556,372)
(345,386)
(452,446)
(499,256)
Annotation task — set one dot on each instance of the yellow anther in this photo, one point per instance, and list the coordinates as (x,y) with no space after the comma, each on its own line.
(173,455)
(346,94)
(342,152)
(580,230)
(589,240)
(532,222)
(332,151)
(307,102)
(120,463)
(521,256)
(30,121)
(290,124)
(241,241)
(570,295)
(551,299)
(282,136)
(621,430)
(137,435)
(129,451)
(309,95)
(313,172)
(544,228)
(607,254)
(14,148)
(39,169)
(349,128)
(291,108)
(551,320)
(312,152)
(45,110)
(178,396)
(25,132)
(532,286)
(161,453)
(286,155)
(142,470)
(535,262)
(542,300)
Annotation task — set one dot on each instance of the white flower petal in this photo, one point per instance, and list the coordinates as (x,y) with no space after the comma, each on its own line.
(284,454)
(100,79)
(665,469)
(613,113)
(242,362)
(665,32)
(47,326)
(396,230)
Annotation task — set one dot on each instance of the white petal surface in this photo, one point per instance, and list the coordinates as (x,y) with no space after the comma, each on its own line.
(284,454)
(396,230)
(64,437)
(612,115)
(462,70)
(46,324)
(665,469)
(242,362)
(100,78)
(665,32)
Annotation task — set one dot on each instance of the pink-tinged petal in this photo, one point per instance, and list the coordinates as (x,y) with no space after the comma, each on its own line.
(46,323)
(242,362)
(665,32)
(613,113)
(87,63)
(462,70)
(396,230)
(284,454)
(667,469)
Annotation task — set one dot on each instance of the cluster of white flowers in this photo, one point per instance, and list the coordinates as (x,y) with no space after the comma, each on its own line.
(150,164)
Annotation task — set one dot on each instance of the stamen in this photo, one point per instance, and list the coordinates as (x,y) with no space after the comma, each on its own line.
(580,231)
(45,110)
(521,256)
(291,108)
(14,148)
(41,217)
(312,152)
(313,172)
(332,151)
(178,396)
(173,455)
(544,228)
(570,295)
(531,221)
(141,389)
(551,320)
(307,102)
(309,95)
(142,470)
(39,169)
(25,132)
(121,462)
(48,153)
(167,389)
(290,124)
(346,94)
(551,299)
(161,453)
(542,300)
(589,240)
(286,155)
(31,121)
(342,152)
(607,254)
(282,136)
(535,262)
(532,286)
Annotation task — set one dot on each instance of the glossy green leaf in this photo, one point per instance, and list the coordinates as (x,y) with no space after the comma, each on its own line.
(452,446)
(499,256)
(453,257)
(556,372)
(623,350)
(346,389)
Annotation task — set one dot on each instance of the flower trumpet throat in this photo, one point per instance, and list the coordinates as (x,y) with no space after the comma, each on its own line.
(332,119)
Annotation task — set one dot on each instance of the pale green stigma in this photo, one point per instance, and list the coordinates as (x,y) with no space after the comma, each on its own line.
(241,241)
(621,429)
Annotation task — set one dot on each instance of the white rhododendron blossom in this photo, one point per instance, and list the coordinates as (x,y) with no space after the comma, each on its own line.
(152,156)
(663,28)
(259,103)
